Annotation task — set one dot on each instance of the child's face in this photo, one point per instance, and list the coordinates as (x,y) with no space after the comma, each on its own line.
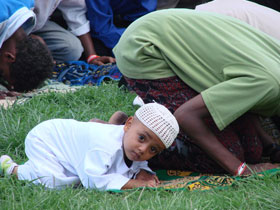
(139,142)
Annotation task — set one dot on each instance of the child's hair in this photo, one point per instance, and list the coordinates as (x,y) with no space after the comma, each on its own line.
(160,120)
(33,65)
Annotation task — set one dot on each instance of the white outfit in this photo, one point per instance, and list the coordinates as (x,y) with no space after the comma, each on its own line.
(65,152)
(73,11)
(258,16)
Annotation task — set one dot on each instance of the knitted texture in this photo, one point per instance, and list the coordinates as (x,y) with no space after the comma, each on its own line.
(160,120)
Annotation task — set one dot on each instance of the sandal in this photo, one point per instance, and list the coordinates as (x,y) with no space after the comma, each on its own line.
(272,151)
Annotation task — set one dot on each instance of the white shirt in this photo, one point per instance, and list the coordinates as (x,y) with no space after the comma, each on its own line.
(93,152)
(73,11)
(258,16)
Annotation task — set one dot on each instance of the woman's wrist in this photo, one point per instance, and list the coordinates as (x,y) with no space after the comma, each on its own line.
(241,169)
(92,57)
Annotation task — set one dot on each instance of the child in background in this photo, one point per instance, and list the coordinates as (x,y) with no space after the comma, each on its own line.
(65,152)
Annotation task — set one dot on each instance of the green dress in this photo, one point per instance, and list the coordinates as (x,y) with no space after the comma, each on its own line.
(234,66)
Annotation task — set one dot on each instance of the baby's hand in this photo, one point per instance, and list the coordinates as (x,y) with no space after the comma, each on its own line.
(152,183)
(146,176)
(134,183)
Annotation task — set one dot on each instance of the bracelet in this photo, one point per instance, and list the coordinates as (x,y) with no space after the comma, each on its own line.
(241,169)
(92,57)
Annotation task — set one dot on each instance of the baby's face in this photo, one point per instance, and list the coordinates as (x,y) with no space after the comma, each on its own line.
(139,142)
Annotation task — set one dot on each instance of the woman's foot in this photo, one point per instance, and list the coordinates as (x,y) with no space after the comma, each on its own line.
(272,151)
(97,120)
(275,156)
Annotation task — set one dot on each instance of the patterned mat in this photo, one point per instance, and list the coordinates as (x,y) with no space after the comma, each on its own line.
(176,180)
(185,180)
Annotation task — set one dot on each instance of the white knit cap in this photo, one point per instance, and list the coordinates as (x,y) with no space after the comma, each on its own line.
(160,120)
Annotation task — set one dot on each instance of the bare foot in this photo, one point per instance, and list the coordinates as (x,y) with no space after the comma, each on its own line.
(118,118)
(97,120)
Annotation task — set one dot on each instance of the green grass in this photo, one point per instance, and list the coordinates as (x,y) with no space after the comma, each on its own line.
(101,102)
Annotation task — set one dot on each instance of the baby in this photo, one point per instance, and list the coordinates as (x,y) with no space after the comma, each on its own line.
(66,152)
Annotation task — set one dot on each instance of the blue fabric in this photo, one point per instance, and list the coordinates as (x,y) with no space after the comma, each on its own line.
(9,7)
(82,73)
(101,16)
(13,15)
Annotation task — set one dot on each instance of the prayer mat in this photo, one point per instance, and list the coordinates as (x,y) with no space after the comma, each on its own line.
(185,180)
(81,73)
(176,180)
(47,86)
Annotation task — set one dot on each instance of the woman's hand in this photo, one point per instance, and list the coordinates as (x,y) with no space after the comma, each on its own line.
(90,53)
(103,60)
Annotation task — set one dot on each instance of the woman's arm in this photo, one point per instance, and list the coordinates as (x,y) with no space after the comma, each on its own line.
(89,49)
(190,117)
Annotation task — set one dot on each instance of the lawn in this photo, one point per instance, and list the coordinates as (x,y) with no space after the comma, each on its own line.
(101,102)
